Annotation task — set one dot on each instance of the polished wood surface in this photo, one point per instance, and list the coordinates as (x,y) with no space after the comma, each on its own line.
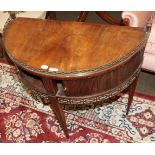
(68,46)
(75,47)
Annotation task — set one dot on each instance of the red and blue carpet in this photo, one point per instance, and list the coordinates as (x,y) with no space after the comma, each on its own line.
(24,118)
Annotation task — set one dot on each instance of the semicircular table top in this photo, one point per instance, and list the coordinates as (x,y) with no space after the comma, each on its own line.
(68,46)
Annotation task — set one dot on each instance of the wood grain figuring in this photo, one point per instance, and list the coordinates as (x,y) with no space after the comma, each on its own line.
(75,46)
(68,46)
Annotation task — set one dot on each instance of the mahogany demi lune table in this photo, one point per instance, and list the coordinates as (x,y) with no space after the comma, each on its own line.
(75,62)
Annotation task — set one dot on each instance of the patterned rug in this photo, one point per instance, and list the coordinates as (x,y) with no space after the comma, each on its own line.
(24,118)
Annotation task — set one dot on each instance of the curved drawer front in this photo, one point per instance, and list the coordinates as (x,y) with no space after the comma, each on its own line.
(109,79)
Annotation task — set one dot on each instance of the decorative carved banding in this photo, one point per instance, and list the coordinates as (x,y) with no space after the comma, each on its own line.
(83,99)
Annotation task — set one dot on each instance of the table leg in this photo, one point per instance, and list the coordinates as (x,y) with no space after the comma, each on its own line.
(131,91)
(1,47)
(51,87)
(59,114)
(1,52)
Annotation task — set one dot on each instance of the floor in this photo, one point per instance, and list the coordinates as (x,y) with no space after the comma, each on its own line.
(146,82)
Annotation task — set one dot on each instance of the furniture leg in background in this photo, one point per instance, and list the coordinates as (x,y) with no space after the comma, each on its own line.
(83,16)
(102,14)
(51,15)
(105,16)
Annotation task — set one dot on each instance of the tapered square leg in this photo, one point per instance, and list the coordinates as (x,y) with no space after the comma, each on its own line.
(131,91)
(59,114)
(51,87)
